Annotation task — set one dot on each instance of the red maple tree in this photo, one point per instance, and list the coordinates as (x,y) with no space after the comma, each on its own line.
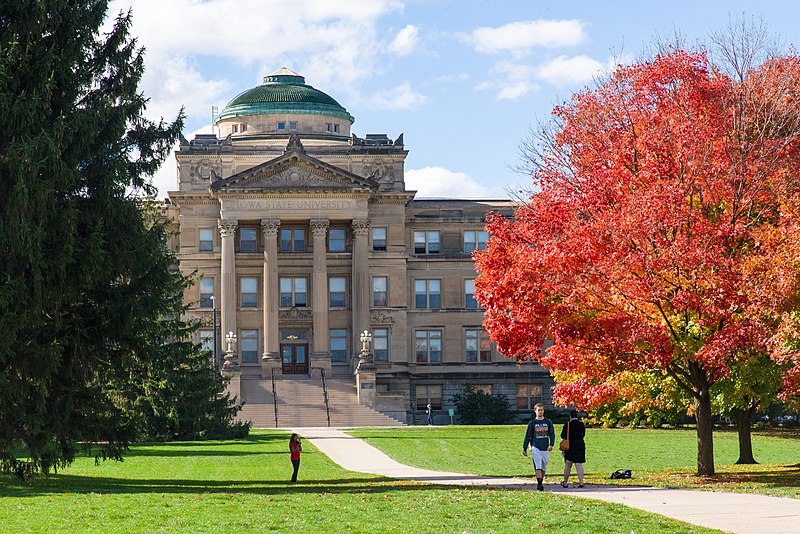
(660,206)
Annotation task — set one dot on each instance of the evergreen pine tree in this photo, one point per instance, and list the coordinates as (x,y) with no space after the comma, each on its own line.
(88,300)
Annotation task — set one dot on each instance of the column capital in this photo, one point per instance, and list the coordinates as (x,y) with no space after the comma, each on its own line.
(270,227)
(227,227)
(360,226)
(319,227)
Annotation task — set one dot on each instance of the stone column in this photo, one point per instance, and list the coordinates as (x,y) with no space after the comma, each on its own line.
(227,289)
(271,294)
(360,280)
(320,357)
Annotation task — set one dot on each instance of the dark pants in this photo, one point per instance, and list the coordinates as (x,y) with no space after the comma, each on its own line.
(296,464)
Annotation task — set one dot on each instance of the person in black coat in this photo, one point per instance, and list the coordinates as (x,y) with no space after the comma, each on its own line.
(576,454)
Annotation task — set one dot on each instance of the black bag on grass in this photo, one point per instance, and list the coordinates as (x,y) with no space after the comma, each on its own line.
(620,473)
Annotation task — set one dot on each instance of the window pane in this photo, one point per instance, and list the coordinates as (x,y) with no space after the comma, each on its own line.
(249,346)
(206,240)
(379,296)
(247,240)
(421,346)
(336,240)
(207,340)
(286,240)
(483,237)
(379,239)
(433,242)
(419,242)
(206,292)
(249,292)
(336,293)
(299,240)
(469,295)
(286,292)
(380,337)
(338,341)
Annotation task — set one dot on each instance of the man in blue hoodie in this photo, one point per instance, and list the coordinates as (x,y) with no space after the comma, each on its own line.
(541,436)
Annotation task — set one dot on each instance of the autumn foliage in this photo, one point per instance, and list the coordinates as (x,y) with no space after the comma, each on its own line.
(662,237)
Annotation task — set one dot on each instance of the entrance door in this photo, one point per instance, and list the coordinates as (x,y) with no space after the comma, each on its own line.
(295,359)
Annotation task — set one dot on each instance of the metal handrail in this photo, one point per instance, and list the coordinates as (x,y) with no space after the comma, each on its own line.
(325,395)
(274,397)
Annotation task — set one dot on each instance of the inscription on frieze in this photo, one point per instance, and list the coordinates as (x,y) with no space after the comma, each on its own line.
(297,204)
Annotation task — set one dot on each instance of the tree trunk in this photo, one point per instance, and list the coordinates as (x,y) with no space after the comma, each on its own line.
(743,418)
(705,432)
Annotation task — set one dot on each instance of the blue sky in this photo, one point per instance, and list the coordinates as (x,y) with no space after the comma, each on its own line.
(463,80)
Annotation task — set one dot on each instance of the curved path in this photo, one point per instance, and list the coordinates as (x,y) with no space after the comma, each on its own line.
(731,512)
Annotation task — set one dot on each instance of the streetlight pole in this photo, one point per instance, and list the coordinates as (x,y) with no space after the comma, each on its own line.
(214,334)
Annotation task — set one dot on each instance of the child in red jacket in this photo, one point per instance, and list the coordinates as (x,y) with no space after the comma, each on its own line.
(295,449)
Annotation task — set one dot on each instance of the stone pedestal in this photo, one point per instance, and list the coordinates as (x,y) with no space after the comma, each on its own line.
(365,382)
(234,388)
(321,360)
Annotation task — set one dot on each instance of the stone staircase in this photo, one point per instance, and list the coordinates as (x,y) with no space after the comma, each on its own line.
(301,403)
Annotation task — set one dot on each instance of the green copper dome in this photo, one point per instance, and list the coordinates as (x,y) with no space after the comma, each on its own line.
(284,92)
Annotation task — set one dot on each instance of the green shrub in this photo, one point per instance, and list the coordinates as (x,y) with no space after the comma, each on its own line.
(478,408)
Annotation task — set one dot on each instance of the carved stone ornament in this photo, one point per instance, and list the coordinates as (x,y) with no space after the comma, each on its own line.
(293,314)
(319,227)
(205,169)
(227,227)
(270,227)
(295,143)
(380,317)
(294,177)
(380,172)
(360,226)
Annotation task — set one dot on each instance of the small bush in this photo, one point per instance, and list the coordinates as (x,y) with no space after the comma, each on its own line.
(478,408)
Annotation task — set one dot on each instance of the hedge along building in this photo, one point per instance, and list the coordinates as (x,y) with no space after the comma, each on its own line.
(305,236)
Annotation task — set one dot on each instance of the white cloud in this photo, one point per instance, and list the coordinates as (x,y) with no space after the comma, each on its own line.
(565,70)
(440,182)
(520,37)
(328,42)
(519,80)
(405,41)
(400,97)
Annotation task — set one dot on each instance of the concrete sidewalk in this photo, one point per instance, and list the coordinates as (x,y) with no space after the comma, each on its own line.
(731,512)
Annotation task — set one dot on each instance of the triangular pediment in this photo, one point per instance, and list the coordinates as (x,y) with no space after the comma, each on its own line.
(293,171)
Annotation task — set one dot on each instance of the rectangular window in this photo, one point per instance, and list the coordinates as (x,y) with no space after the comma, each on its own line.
(428,346)
(292,126)
(293,240)
(207,340)
(335,128)
(248,240)
(281,126)
(235,128)
(338,341)
(206,292)
(380,344)
(337,291)
(328,127)
(427,242)
(249,342)
(206,240)
(427,294)
(486,389)
(379,291)
(249,292)
(475,240)
(478,346)
(244,128)
(379,239)
(469,295)
(294,292)
(336,240)
(429,394)
(528,395)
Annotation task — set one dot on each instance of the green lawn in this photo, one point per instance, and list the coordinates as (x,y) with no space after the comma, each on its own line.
(656,457)
(241,486)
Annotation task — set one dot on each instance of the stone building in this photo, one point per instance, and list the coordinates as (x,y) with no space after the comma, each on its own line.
(305,237)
